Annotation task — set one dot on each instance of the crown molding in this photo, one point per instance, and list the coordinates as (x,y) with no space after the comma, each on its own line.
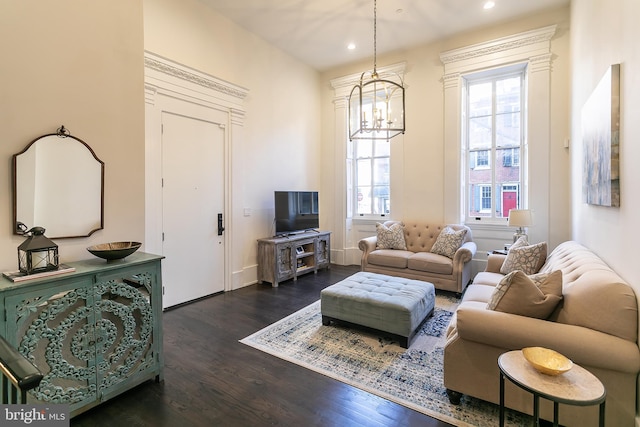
(528,38)
(517,47)
(182,72)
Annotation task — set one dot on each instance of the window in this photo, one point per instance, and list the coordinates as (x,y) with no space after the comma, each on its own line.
(480,159)
(373,195)
(493,127)
(527,57)
(510,158)
(485,198)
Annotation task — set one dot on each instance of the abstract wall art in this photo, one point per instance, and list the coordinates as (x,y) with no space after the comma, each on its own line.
(601,142)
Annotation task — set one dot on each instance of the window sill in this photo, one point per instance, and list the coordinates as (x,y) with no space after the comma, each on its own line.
(370,219)
(486,225)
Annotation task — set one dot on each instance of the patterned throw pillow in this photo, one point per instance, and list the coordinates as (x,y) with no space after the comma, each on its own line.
(448,241)
(533,296)
(390,237)
(522,241)
(525,257)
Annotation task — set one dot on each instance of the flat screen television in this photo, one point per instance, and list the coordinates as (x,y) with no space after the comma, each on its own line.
(296,211)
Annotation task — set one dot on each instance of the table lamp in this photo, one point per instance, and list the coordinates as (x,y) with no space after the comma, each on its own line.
(520,218)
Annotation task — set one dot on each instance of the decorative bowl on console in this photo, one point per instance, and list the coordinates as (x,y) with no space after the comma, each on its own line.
(547,361)
(114,250)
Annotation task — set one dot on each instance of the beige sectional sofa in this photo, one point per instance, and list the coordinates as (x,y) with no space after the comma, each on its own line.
(417,261)
(595,325)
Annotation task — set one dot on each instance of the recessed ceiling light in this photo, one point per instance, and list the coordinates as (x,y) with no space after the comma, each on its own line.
(351,46)
(489,5)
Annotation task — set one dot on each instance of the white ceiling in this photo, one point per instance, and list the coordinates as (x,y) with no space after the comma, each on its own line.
(317,31)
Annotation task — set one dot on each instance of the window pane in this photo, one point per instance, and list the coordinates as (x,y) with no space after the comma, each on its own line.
(481,169)
(480,99)
(508,158)
(382,148)
(381,186)
(364,200)
(508,130)
(507,181)
(480,200)
(364,148)
(381,199)
(480,133)
(486,197)
(364,172)
(381,171)
(482,158)
(507,198)
(508,95)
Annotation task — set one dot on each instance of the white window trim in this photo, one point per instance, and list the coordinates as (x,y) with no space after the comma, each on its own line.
(518,70)
(533,47)
(342,88)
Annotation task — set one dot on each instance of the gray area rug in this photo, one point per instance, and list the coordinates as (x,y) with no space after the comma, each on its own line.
(410,377)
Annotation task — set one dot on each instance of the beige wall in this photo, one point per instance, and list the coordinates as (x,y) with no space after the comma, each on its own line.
(79,64)
(419,178)
(606,32)
(280,141)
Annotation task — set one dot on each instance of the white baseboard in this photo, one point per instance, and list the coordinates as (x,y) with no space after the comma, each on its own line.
(246,277)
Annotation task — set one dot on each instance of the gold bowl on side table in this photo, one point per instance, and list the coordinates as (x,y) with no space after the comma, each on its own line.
(547,361)
(114,250)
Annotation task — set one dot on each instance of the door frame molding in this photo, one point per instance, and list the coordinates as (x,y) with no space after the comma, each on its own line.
(165,77)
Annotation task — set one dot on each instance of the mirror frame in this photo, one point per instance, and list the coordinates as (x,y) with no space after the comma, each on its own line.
(62,133)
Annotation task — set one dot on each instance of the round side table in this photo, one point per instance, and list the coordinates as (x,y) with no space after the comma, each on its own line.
(576,387)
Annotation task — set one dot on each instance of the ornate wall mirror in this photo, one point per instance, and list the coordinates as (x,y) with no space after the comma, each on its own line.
(58,184)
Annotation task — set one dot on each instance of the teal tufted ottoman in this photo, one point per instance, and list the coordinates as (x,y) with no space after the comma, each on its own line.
(390,304)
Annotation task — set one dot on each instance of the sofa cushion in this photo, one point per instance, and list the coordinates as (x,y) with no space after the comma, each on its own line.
(478,293)
(390,258)
(448,242)
(600,300)
(488,279)
(391,237)
(525,257)
(536,296)
(433,263)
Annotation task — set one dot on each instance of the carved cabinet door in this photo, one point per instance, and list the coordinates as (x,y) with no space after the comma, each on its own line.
(285,261)
(323,251)
(124,329)
(52,327)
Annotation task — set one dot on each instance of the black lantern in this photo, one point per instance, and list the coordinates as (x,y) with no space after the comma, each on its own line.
(37,253)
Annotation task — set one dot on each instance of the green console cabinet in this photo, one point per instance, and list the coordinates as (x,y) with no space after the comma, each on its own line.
(94,332)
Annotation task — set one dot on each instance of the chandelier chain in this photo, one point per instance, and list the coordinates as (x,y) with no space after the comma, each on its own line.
(375,37)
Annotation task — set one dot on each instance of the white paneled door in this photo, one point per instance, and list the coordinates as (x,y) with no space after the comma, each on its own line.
(192,200)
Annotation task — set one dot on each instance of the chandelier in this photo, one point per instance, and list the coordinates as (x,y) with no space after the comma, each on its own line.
(376,103)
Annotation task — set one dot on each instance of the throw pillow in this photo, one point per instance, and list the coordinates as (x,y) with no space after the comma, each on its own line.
(522,241)
(391,237)
(525,257)
(448,241)
(533,296)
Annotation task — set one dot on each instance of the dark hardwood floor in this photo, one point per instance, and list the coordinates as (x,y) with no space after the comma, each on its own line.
(213,380)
